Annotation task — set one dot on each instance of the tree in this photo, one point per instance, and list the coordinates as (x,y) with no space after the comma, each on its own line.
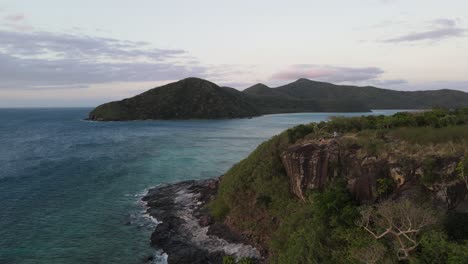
(401,221)
(371,254)
(463,171)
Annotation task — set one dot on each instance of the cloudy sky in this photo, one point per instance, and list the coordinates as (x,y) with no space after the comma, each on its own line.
(83,53)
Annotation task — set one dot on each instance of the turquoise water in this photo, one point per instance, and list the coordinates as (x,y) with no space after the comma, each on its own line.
(69,189)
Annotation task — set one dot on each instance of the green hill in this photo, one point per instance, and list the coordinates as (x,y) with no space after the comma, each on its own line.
(374,98)
(195,98)
(191,98)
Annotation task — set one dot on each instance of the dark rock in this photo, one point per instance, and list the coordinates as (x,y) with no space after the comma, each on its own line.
(184,233)
(205,220)
(313,165)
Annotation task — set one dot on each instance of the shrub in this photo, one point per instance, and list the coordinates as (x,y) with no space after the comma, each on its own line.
(219,209)
(317,231)
(402,222)
(429,176)
(229,260)
(245,261)
(436,248)
(385,186)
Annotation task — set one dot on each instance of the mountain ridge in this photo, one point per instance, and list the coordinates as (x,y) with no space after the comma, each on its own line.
(195,98)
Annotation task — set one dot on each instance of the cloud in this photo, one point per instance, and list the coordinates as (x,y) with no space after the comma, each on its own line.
(14,18)
(16,22)
(440,29)
(71,73)
(444,22)
(34,44)
(328,73)
(40,60)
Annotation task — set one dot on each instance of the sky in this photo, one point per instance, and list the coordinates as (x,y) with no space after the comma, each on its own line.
(62,53)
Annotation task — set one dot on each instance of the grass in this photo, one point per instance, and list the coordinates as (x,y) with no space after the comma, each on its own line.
(425,135)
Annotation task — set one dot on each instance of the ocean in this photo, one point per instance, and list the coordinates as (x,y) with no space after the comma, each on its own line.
(70,189)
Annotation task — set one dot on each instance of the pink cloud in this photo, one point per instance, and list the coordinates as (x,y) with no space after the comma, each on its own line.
(17,22)
(15,18)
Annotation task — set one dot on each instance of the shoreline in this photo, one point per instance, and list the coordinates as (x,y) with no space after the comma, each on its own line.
(185,231)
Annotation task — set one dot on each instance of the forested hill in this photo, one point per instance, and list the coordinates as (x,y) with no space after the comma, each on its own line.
(195,98)
(374,98)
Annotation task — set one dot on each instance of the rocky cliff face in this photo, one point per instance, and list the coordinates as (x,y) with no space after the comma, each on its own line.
(314,164)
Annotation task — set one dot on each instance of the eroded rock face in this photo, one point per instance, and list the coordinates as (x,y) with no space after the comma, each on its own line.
(309,165)
(313,165)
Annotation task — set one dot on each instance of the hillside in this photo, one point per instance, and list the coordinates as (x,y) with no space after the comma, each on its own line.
(374,98)
(191,98)
(385,190)
(195,98)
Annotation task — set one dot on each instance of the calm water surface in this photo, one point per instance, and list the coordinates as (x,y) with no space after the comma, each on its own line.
(69,189)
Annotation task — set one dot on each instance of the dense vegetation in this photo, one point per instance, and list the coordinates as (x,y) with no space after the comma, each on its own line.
(330,225)
(186,99)
(194,98)
(372,97)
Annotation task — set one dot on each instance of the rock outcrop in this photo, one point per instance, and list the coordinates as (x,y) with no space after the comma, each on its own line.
(313,165)
(185,231)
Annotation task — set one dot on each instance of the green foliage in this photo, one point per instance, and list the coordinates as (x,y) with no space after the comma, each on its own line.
(372,141)
(335,206)
(264,200)
(245,261)
(436,248)
(318,231)
(462,168)
(219,209)
(385,186)
(429,176)
(299,131)
(435,118)
(462,171)
(424,135)
(229,260)
(400,222)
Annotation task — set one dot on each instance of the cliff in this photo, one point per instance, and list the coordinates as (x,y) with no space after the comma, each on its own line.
(299,196)
(313,165)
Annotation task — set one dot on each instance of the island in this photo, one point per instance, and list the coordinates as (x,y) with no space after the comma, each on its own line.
(194,98)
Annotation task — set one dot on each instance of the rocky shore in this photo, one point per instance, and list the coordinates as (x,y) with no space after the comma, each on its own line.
(186,232)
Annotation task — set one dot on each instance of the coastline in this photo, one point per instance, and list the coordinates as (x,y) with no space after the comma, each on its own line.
(186,232)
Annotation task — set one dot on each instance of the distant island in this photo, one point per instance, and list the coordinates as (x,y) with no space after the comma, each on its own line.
(195,98)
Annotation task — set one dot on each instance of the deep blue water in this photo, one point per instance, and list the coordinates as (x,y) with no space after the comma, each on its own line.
(69,188)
